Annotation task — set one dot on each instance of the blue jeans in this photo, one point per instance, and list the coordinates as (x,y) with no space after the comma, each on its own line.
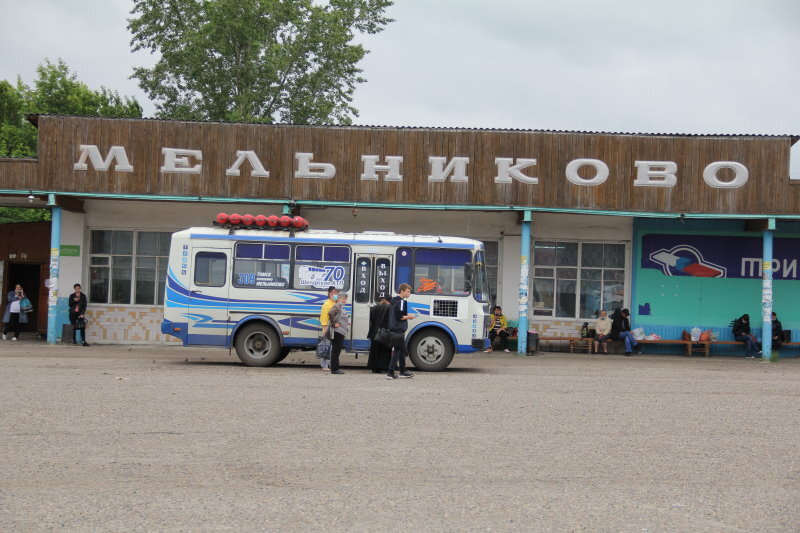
(750,347)
(630,342)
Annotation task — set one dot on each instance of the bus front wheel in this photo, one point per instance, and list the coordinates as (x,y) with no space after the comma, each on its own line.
(431,350)
(258,345)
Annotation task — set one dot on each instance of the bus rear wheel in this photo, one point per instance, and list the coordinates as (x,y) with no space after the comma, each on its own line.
(431,350)
(258,345)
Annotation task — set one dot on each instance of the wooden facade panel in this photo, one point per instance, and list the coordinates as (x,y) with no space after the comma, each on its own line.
(19,174)
(768,190)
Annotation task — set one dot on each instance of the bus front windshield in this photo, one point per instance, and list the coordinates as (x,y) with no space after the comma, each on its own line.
(480,282)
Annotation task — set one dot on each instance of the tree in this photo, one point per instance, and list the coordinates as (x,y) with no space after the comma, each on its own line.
(254,60)
(56,91)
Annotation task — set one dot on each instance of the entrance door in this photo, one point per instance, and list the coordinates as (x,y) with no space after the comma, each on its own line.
(371,282)
(29,276)
(207,305)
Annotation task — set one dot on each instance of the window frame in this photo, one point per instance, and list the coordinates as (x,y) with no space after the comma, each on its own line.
(537,314)
(158,296)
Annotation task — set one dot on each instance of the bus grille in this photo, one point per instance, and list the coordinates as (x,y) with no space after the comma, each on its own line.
(445,308)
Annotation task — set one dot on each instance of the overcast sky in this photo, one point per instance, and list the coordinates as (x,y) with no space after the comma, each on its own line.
(677,66)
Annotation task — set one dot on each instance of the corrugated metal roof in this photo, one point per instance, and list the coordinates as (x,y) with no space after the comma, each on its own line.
(34,119)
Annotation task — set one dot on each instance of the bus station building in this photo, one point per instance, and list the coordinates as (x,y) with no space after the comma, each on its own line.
(684,230)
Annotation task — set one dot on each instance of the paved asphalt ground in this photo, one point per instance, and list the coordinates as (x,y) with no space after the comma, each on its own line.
(176,439)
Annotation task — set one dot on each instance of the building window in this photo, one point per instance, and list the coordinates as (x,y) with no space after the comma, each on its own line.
(577,280)
(128,266)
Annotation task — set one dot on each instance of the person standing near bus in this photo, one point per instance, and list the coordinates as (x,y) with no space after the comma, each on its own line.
(398,322)
(324,318)
(333,293)
(339,322)
(379,354)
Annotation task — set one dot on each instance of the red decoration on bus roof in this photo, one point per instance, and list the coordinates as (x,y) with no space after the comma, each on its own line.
(273,222)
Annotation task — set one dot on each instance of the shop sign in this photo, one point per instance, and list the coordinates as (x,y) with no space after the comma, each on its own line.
(70,250)
(706,256)
(661,174)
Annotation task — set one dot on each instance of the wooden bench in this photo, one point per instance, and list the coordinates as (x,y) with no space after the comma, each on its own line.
(579,343)
(709,343)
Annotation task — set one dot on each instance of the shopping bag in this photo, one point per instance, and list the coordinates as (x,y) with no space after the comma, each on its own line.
(25,305)
(324,348)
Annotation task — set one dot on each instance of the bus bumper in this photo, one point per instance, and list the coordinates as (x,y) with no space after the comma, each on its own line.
(176,329)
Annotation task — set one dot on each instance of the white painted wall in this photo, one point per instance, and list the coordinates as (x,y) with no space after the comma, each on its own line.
(71,269)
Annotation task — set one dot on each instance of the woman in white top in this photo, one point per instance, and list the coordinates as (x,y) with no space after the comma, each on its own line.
(12,317)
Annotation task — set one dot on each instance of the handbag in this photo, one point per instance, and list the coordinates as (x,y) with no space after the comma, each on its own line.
(324,348)
(80,323)
(389,338)
(25,305)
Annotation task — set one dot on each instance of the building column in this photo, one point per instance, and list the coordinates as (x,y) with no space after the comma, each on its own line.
(55,250)
(766,293)
(524,255)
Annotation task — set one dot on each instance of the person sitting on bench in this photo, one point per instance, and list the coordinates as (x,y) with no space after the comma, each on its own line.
(741,332)
(621,330)
(499,329)
(602,330)
(777,332)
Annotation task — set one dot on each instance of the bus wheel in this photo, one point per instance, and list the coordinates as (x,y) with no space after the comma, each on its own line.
(258,345)
(431,350)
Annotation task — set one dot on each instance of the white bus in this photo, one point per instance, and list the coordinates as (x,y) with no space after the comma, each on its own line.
(260,291)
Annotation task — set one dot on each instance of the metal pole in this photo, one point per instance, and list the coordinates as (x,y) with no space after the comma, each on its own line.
(55,250)
(766,293)
(525,253)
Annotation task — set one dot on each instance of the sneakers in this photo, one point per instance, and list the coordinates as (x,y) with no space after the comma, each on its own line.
(14,339)
(4,336)
(507,350)
(487,351)
(86,344)
(391,376)
(406,375)
(337,372)
(627,353)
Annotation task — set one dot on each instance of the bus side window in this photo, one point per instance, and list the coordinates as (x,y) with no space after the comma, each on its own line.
(402,267)
(209,269)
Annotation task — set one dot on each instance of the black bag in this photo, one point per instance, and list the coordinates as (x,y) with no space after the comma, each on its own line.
(80,323)
(324,348)
(389,338)
(787,336)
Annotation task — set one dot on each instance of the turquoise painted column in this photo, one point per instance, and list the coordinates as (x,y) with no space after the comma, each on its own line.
(766,293)
(55,250)
(524,260)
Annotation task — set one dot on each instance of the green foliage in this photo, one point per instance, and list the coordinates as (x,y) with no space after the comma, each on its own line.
(9,215)
(269,61)
(55,91)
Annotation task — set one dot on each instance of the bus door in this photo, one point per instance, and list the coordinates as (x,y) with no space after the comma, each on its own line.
(207,304)
(371,282)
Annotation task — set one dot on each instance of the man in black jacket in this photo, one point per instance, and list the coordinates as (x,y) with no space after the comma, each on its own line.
(621,330)
(398,322)
(77,309)
(741,332)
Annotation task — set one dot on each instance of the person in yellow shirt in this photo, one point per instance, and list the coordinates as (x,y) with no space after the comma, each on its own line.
(499,329)
(333,295)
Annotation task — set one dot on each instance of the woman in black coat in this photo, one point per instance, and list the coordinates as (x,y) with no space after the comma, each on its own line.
(77,310)
(379,354)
